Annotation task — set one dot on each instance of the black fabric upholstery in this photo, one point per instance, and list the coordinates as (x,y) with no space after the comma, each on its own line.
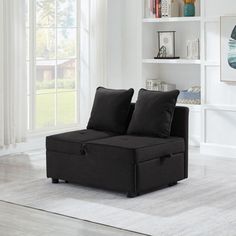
(153,113)
(131,111)
(124,163)
(110,110)
(180,128)
(159,172)
(136,148)
(72,142)
(95,169)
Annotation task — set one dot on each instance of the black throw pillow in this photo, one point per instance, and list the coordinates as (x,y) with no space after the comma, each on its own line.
(153,113)
(110,110)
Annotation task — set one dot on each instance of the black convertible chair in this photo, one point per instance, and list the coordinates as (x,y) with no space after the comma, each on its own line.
(130,164)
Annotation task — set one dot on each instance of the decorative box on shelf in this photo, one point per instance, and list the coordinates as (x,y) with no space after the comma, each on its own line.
(168,87)
(158,85)
(190,96)
(153,84)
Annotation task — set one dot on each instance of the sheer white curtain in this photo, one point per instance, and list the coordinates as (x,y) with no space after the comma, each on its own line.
(13,85)
(93,53)
(98,44)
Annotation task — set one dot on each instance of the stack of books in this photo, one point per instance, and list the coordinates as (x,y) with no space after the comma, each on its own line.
(161,8)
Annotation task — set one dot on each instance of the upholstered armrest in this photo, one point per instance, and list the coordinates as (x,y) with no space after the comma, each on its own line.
(179,128)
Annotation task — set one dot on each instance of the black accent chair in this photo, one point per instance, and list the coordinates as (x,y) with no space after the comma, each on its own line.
(125,163)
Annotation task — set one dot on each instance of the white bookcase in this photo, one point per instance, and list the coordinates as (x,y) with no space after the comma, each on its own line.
(183,72)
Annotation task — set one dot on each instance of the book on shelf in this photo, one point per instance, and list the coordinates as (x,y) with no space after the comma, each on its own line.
(154,5)
(152,8)
(161,8)
(158,8)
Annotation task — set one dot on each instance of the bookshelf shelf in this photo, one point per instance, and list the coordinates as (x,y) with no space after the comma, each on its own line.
(192,107)
(172,19)
(172,61)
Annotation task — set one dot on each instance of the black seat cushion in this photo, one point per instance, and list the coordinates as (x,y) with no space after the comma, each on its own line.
(72,142)
(110,110)
(135,148)
(153,113)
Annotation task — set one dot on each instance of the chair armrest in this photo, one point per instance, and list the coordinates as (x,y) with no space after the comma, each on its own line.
(180,128)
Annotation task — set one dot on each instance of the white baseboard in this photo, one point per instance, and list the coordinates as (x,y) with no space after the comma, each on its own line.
(218,150)
(30,145)
(194,140)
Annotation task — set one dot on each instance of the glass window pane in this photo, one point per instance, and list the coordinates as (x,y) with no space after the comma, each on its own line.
(66,104)
(45,13)
(45,44)
(45,76)
(45,111)
(66,74)
(55,77)
(66,13)
(66,43)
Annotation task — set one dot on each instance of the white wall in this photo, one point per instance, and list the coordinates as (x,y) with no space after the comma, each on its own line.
(132,54)
(115,43)
(124,29)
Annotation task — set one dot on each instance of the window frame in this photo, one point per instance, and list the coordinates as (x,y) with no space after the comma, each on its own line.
(31,81)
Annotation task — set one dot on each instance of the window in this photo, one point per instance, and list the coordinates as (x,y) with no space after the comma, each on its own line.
(53,63)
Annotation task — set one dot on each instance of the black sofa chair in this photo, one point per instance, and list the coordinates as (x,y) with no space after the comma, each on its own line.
(125,163)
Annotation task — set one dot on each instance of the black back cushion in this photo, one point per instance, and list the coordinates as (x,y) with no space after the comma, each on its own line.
(153,113)
(111,110)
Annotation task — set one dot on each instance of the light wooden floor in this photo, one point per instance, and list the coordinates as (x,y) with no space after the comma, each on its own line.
(16,220)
